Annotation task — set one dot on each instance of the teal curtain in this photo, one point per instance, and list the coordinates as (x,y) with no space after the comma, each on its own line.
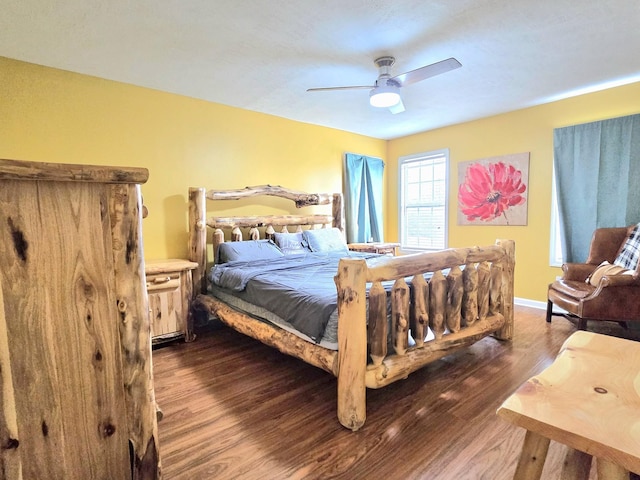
(363,201)
(597,168)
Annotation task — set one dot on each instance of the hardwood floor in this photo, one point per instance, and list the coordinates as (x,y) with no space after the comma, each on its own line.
(236,409)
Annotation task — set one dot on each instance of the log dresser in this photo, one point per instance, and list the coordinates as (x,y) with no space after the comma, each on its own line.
(170,290)
(76,383)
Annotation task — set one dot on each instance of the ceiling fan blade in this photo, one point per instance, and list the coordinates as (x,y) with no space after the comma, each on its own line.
(397,108)
(427,71)
(353,87)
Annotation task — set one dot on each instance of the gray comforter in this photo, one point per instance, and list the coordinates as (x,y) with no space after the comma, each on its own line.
(298,288)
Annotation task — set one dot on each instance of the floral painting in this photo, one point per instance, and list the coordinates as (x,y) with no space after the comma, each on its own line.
(493,191)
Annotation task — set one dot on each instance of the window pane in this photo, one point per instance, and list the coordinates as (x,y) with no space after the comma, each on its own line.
(426,173)
(413,192)
(440,189)
(426,190)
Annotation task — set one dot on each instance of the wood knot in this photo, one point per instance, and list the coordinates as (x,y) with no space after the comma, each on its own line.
(12,444)
(103,209)
(600,390)
(131,248)
(307,199)
(348,295)
(19,242)
(108,429)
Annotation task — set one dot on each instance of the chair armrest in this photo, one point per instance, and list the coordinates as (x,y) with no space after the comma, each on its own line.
(619,280)
(577,271)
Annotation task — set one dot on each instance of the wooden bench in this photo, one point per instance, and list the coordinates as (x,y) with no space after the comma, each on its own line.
(589,400)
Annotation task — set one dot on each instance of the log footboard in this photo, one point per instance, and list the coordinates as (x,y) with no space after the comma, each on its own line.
(468,296)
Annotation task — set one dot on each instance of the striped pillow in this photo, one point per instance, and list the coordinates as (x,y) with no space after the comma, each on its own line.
(630,253)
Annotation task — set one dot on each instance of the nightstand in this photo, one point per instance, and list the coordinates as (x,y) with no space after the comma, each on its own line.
(385,248)
(170,290)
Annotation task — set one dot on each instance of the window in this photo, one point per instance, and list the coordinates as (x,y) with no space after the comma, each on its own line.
(423,198)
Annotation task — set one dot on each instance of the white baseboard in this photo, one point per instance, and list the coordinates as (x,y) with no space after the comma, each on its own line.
(525,302)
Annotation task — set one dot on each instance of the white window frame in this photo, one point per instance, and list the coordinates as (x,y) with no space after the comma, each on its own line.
(402,227)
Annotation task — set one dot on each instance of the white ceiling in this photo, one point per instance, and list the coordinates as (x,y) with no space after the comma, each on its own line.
(262,55)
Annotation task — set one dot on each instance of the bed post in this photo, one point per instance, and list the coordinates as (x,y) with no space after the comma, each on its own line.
(352,342)
(198,237)
(506,306)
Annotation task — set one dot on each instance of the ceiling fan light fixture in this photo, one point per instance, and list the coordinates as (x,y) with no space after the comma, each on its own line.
(385,92)
(384,96)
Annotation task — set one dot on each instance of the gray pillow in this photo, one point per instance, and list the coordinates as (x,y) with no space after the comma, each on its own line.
(248,250)
(291,243)
(325,240)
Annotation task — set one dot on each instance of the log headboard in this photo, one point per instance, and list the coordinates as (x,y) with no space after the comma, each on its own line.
(270,224)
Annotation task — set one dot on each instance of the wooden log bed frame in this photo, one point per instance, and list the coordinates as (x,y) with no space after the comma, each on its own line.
(468,296)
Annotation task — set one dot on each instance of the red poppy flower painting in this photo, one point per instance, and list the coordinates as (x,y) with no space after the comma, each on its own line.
(490,192)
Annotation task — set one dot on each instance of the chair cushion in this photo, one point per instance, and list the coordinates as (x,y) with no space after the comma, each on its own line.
(630,253)
(572,288)
(606,268)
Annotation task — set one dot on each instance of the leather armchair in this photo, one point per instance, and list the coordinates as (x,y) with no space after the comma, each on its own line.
(613,298)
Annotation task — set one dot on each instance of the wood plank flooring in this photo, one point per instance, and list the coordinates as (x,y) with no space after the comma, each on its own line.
(236,409)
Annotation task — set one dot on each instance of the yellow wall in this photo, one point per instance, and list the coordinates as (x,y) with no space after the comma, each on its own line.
(57,116)
(528,130)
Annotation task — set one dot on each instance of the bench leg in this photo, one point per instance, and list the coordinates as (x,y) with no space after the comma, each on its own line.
(532,457)
(577,465)
(610,471)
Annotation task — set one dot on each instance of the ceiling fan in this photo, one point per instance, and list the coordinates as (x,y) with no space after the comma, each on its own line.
(385,92)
